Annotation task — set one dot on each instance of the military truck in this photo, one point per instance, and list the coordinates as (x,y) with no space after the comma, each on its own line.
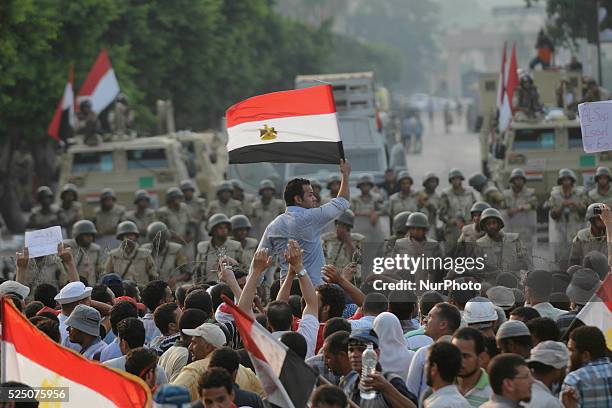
(150,163)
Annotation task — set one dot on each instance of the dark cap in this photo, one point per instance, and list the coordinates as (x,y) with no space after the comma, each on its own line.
(540,280)
(583,285)
(597,262)
(364,336)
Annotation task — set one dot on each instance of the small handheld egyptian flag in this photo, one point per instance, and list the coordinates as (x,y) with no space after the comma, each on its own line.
(285,127)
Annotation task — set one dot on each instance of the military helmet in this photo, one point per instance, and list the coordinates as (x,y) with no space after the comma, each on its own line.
(266,183)
(240,221)
(429,176)
(491,213)
(141,195)
(404,175)
(108,193)
(83,227)
(366,179)
(157,230)
(603,171)
(70,188)
(477,181)
(517,173)
(217,219)
(237,184)
(417,220)
(590,212)
(187,185)
(315,182)
(225,186)
(347,218)
(566,173)
(455,173)
(44,192)
(173,192)
(479,206)
(399,222)
(126,227)
(333,178)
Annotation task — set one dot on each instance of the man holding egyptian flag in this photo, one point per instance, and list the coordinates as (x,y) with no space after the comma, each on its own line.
(301,127)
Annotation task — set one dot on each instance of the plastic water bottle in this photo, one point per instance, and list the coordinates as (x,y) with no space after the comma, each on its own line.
(368,366)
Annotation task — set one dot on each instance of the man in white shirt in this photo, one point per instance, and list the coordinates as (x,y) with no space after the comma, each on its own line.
(442,366)
(374,304)
(154,294)
(538,287)
(84,329)
(71,295)
(547,362)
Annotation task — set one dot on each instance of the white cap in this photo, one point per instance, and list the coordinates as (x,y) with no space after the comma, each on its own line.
(11,286)
(550,353)
(211,333)
(479,310)
(73,292)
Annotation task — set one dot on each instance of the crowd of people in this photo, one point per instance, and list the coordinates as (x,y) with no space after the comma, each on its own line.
(143,291)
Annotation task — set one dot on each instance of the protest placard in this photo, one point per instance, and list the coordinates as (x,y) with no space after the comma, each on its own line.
(596,126)
(43,241)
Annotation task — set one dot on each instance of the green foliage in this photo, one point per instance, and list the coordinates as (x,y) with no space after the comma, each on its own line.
(204,55)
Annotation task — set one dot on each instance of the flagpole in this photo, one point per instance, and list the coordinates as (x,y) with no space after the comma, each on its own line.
(599,73)
(3,345)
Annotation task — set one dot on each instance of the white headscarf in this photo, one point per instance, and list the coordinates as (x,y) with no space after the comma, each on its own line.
(394,354)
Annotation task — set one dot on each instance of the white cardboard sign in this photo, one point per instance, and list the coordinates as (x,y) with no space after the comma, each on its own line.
(596,126)
(43,241)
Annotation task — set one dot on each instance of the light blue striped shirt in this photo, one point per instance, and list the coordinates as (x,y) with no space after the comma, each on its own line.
(305,226)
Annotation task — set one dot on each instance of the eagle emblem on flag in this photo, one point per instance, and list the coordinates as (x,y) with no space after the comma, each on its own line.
(267,133)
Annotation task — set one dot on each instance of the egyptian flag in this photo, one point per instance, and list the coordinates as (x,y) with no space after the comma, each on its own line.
(598,311)
(62,124)
(100,86)
(285,127)
(511,82)
(287,380)
(32,358)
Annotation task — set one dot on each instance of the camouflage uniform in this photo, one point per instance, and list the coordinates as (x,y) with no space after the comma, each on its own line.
(178,222)
(231,208)
(428,248)
(493,196)
(470,234)
(137,266)
(249,247)
(597,196)
(507,255)
(263,214)
(106,221)
(207,259)
(40,218)
(398,203)
(71,214)
(455,205)
(88,261)
(336,253)
(524,222)
(46,269)
(585,242)
(142,221)
(168,260)
(197,209)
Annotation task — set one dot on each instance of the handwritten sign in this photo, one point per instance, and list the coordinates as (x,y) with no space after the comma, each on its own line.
(596,126)
(43,242)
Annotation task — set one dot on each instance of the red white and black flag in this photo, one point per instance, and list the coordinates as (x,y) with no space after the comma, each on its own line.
(297,126)
(286,378)
(101,86)
(62,124)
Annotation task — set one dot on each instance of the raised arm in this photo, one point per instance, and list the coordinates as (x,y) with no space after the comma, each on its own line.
(227,276)
(293,256)
(65,253)
(22,260)
(261,261)
(345,170)
(332,275)
(606,217)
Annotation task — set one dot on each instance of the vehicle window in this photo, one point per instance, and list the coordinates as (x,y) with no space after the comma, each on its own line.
(574,137)
(364,160)
(251,174)
(357,132)
(92,161)
(316,170)
(534,139)
(147,158)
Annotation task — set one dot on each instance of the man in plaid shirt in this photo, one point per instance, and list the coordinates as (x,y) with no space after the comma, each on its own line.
(589,384)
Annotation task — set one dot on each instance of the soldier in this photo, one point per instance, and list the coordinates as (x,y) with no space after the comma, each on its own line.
(219,245)
(23,164)
(266,208)
(405,199)
(399,228)
(177,217)
(430,184)
(169,258)
(342,246)
(455,204)
(592,238)
(56,270)
(241,227)
(45,214)
(565,219)
(472,232)
(316,188)
(520,205)
(70,209)
(225,204)
(488,191)
(129,260)
(417,245)
(86,253)
(142,215)
(367,208)
(333,186)
(88,124)
(389,184)
(106,219)
(238,194)
(197,205)
(602,193)
(526,99)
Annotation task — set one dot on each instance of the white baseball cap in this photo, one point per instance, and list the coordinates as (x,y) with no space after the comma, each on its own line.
(11,286)
(211,333)
(73,292)
(479,310)
(550,353)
